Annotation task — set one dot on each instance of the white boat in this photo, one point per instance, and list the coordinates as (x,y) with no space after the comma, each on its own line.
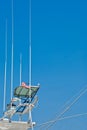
(23,99)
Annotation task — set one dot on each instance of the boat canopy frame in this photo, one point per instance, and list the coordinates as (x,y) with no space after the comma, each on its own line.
(23,92)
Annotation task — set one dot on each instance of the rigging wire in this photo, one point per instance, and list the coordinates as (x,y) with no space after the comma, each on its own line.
(76,97)
(62,118)
(67,108)
(70,99)
(73,116)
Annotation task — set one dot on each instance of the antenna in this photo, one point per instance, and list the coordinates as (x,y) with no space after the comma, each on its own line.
(12,56)
(30,64)
(30,53)
(20,68)
(5,69)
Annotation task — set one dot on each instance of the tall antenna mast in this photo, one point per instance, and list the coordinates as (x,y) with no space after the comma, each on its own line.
(4,103)
(30,53)
(20,68)
(12,56)
(30,63)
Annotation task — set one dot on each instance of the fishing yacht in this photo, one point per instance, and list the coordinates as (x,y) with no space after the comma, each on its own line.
(23,98)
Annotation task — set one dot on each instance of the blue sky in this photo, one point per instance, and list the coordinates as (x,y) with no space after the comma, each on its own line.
(59,55)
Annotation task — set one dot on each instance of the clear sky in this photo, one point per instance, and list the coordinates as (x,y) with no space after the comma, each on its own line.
(59,55)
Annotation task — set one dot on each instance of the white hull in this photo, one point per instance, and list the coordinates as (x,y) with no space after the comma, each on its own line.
(14,125)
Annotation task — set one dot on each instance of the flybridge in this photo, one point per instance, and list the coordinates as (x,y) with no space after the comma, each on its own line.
(23,91)
(24,101)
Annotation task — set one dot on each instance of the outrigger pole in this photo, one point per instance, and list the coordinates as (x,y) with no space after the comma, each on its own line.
(20,68)
(30,65)
(30,53)
(12,55)
(4,103)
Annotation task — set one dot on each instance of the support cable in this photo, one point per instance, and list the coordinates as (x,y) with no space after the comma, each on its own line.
(76,97)
(67,108)
(62,118)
